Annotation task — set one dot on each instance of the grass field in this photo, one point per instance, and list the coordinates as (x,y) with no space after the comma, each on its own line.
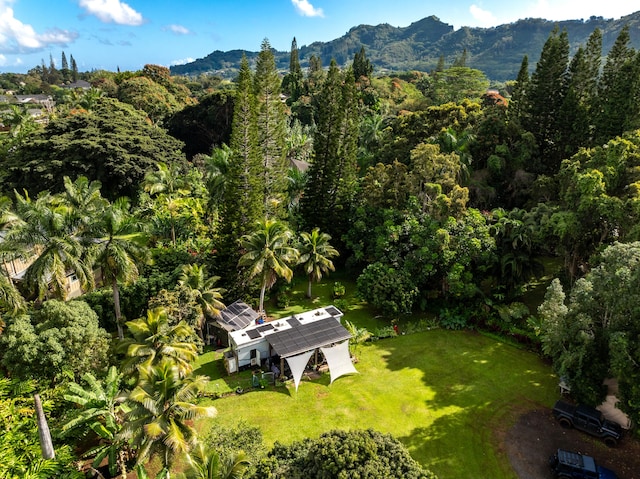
(447,395)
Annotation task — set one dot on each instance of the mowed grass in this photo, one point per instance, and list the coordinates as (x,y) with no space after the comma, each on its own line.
(447,395)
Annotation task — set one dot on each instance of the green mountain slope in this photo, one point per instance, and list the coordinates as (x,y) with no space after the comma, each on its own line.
(496,51)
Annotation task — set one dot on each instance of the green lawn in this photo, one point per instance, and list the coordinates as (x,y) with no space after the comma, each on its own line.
(447,395)
(442,393)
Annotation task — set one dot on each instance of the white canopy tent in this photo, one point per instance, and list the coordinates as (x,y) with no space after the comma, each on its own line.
(297,364)
(339,360)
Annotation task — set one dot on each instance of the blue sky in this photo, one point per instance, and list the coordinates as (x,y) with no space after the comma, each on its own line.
(130,33)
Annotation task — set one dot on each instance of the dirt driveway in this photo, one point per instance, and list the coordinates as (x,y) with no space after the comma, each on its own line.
(536,435)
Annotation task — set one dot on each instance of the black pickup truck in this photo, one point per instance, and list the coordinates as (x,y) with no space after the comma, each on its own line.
(589,420)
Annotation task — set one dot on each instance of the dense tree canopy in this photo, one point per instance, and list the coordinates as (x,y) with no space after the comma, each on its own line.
(340,454)
(61,337)
(113,143)
(593,335)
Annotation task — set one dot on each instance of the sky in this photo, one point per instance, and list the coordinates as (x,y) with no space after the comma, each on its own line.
(112,34)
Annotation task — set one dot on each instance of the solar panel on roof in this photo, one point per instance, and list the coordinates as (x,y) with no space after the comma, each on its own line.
(237,315)
(333,311)
(253,333)
(306,337)
(293,322)
(264,327)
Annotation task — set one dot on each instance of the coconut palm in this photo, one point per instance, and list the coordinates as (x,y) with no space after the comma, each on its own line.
(161,411)
(101,411)
(49,228)
(206,463)
(119,245)
(315,255)
(209,298)
(154,339)
(268,254)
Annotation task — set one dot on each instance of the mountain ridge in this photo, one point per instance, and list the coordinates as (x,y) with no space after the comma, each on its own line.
(497,51)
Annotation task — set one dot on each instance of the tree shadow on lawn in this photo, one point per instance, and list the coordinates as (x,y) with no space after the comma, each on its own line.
(475,381)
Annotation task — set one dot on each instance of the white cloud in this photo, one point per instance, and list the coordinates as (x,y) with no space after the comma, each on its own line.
(182,61)
(112,11)
(177,29)
(16,36)
(305,9)
(484,17)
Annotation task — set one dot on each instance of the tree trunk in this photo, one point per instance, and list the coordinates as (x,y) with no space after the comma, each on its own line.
(261,311)
(116,307)
(309,288)
(43,430)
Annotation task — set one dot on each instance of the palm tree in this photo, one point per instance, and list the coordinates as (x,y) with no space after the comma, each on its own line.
(161,410)
(315,255)
(101,411)
(84,198)
(297,182)
(10,298)
(209,298)
(119,245)
(168,180)
(154,340)
(216,168)
(206,463)
(268,255)
(49,228)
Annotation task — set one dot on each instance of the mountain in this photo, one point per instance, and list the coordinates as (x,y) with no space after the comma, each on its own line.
(497,51)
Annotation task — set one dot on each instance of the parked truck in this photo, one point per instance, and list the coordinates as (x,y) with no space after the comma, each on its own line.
(572,465)
(588,419)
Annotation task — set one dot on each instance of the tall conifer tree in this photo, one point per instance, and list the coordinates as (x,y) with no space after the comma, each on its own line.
(616,83)
(333,171)
(545,96)
(575,114)
(64,67)
(292,82)
(272,128)
(243,198)
(517,104)
(74,69)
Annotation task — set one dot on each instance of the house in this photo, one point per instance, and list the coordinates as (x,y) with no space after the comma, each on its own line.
(294,339)
(16,267)
(77,85)
(40,99)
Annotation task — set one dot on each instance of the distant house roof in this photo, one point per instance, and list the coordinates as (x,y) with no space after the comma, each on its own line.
(236,316)
(82,84)
(36,98)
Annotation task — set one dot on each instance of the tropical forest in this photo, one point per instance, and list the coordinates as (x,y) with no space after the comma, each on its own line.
(481,238)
